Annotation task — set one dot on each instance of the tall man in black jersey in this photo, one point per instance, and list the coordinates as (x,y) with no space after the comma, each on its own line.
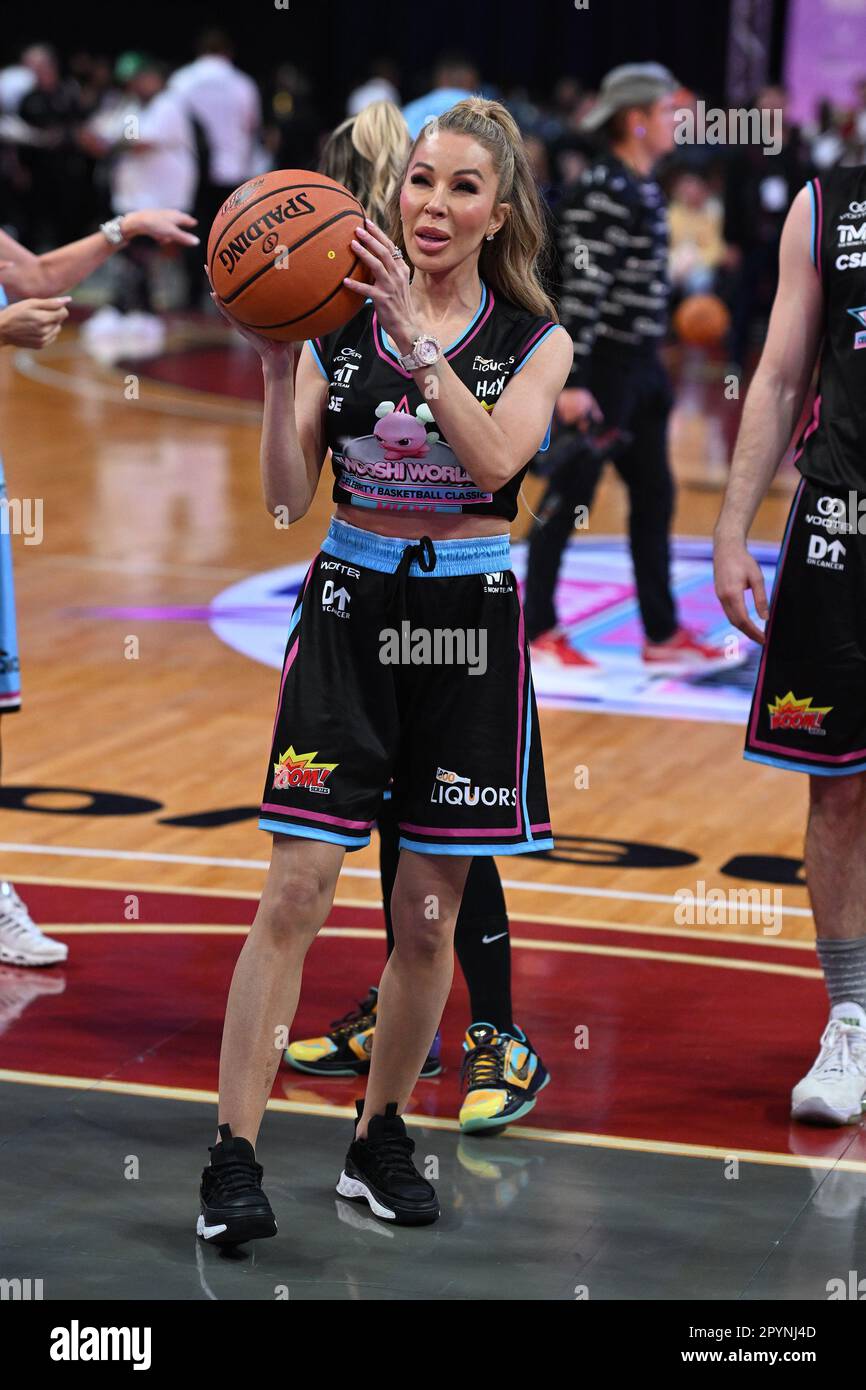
(809,708)
(612,245)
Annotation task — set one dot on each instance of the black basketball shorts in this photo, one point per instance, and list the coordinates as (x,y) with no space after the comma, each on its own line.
(809,707)
(408,661)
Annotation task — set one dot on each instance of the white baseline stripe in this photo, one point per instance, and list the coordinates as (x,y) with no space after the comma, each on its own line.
(156,395)
(214,862)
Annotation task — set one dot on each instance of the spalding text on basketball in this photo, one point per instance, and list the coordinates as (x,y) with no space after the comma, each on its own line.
(298,206)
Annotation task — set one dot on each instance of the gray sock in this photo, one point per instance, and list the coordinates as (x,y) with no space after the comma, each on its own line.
(844,966)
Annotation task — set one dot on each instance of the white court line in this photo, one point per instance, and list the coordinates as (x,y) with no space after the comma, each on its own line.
(213,862)
(132,566)
(195,405)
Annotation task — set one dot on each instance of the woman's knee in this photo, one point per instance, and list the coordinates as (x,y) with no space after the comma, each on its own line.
(299,890)
(426,900)
(423,926)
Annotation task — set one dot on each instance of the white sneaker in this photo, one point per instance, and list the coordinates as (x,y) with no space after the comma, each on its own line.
(102,334)
(143,335)
(21,941)
(832,1092)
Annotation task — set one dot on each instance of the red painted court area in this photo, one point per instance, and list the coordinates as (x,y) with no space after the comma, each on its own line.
(701,1048)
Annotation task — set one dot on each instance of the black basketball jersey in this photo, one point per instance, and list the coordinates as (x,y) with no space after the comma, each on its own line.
(832,447)
(387,450)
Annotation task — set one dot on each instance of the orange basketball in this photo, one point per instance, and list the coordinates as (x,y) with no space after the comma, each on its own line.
(278,250)
(702,320)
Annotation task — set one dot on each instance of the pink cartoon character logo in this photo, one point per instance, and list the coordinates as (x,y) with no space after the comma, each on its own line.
(402,435)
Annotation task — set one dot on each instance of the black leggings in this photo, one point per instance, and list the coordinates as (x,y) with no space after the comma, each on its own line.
(634,394)
(481,937)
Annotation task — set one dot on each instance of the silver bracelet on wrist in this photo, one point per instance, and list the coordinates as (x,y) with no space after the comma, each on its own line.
(112,231)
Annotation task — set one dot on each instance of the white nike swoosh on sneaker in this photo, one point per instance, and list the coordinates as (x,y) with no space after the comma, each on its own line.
(487,939)
(209,1231)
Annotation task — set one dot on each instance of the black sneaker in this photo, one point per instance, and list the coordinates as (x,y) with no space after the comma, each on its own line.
(379,1170)
(233,1207)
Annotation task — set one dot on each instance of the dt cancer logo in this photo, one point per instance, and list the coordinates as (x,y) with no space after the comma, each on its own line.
(299,770)
(787,712)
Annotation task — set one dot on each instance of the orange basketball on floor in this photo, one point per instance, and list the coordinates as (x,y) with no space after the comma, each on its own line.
(702,320)
(278,250)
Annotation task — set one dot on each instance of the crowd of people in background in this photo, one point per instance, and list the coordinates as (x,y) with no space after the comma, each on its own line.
(94,136)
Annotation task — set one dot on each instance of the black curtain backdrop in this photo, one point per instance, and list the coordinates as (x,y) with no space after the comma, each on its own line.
(526,42)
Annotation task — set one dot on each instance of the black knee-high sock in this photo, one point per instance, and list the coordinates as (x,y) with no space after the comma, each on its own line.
(389,858)
(481,937)
(483,945)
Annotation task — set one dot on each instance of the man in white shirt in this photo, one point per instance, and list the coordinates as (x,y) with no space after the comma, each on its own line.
(226,103)
(150,139)
(225,106)
(155,148)
(16,81)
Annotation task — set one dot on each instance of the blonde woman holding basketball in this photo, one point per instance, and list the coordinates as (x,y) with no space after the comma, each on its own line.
(502,1075)
(456,363)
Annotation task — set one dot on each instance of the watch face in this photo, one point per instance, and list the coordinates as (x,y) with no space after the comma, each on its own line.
(427,350)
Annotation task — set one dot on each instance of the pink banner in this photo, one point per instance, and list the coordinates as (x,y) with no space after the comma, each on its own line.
(825,53)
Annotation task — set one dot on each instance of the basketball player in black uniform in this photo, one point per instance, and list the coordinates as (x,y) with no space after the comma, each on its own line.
(500,1080)
(433,399)
(809,708)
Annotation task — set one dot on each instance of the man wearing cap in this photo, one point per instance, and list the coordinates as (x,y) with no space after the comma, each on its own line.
(612,247)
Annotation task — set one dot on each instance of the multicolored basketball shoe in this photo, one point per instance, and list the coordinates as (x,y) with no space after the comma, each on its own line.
(345,1050)
(502,1077)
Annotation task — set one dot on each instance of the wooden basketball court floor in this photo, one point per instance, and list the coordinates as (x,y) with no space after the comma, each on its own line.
(659,1163)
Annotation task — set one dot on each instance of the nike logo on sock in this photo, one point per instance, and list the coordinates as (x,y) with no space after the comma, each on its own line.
(485,940)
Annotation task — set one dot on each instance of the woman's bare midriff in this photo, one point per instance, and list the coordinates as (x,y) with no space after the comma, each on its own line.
(412,525)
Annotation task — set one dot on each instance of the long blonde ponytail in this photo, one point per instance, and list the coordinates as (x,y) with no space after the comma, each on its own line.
(367,153)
